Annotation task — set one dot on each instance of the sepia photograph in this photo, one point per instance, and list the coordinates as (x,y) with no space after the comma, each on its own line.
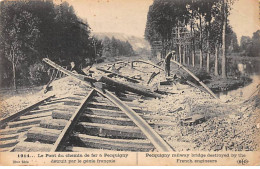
(129,82)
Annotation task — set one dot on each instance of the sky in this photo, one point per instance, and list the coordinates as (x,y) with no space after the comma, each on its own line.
(129,16)
(123,16)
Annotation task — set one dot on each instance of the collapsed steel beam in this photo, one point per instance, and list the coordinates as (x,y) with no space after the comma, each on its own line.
(135,88)
(67,72)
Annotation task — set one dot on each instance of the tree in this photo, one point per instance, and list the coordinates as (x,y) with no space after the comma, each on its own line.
(32,30)
(162,17)
(223,65)
(19,33)
(245,42)
(255,44)
(216,37)
(114,47)
(250,46)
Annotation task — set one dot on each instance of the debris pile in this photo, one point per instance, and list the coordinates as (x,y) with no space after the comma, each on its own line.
(223,127)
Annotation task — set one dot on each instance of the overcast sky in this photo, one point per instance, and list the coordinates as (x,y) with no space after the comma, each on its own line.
(129,16)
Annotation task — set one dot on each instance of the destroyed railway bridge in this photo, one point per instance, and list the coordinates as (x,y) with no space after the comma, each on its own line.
(103,115)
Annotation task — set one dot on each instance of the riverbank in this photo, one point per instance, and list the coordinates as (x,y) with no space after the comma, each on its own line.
(239,73)
(215,83)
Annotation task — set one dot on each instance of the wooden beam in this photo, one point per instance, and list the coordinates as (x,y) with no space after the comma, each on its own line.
(115,144)
(43,134)
(38,115)
(84,149)
(104,112)
(16,129)
(66,115)
(135,88)
(108,120)
(32,147)
(50,123)
(24,122)
(8,143)
(111,107)
(111,130)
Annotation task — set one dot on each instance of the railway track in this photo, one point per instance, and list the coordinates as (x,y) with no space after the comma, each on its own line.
(83,122)
(89,120)
(14,128)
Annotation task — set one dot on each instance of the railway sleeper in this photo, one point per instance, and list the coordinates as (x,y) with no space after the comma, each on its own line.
(38,115)
(43,135)
(21,123)
(50,123)
(107,120)
(63,102)
(120,114)
(59,107)
(104,100)
(115,113)
(6,149)
(32,147)
(104,112)
(8,143)
(66,115)
(110,131)
(84,149)
(76,97)
(112,107)
(11,136)
(113,144)
(16,130)
(101,99)
(36,111)
(93,104)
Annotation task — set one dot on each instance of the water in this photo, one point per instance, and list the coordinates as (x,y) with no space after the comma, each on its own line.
(251,69)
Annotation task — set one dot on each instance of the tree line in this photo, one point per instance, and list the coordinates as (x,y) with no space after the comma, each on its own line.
(196,29)
(115,47)
(33,30)
(250,46)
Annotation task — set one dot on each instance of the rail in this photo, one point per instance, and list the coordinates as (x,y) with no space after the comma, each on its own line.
(70,125)
(147,130)
(195,77)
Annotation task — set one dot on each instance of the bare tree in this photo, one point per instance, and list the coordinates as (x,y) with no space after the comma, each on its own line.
(216,58)
(22,33)
(223,65)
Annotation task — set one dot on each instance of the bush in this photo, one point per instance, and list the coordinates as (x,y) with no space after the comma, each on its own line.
(38,74)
